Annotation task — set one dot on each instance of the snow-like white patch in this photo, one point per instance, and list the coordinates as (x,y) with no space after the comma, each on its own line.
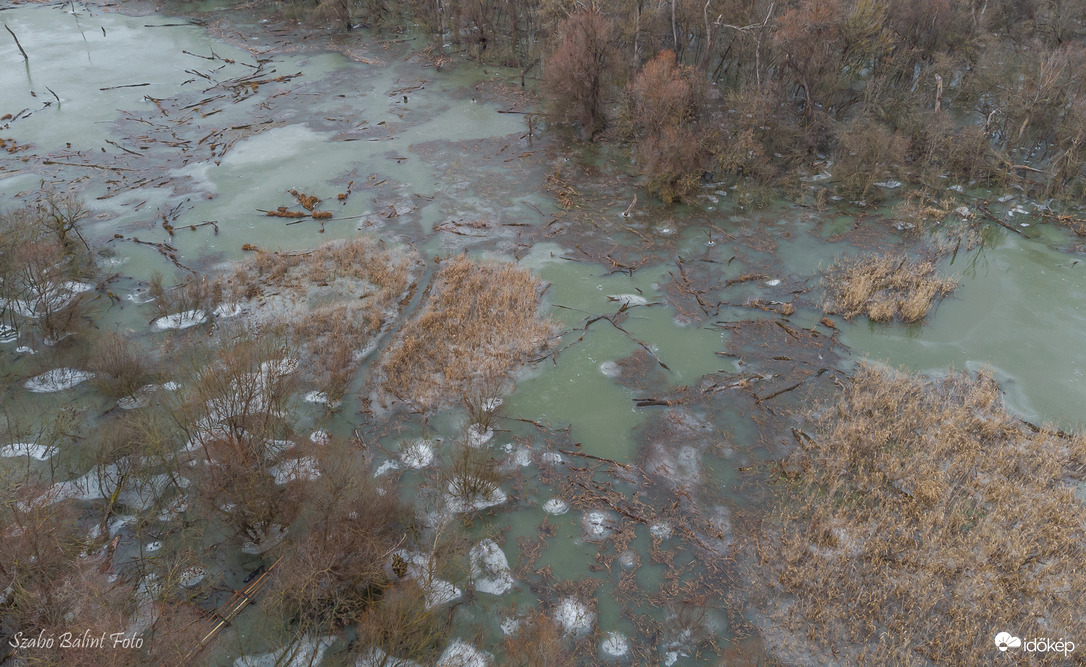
(553,458)
(153,546)
(191,577)
(462,654)
(491,404)
(417,454)
(479,436)
(226,310)
(189,318)
(39,452)
(574,616)
(320,437)
(8,334)
(303,653)
(889,185)
(615,645)
(320,398)
(457,503)
(611,369)
(375,657)
(385,467)
(661,530)
(773,283)
(1005,198)
(956,188)
(304,469)
(519,455)
(275,535)
(556,506)
(171,386)
(597,524)
(510,625)
(57,379)
(439,592)
(279,368)
(628,299)
(22,349)
(490,568)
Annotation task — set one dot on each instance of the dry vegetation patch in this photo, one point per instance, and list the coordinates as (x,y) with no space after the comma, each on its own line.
(334,300)
(482,321)
(884,287)
(922,519)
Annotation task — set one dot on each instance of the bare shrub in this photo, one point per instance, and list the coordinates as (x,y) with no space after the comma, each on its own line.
(536,643)
(883,287)
(403,627)
(481,321)
(866,153)
(234,410)
(946,516)
(473,476)
(120,366)
(190,293)
(335,570)
(667,100)
(578,72)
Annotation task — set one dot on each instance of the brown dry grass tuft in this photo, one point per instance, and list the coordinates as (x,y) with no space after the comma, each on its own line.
(481,322)
(925,519)
(884,287)
(333,300)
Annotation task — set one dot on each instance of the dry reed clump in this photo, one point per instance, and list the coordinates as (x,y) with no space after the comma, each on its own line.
(482,320)
(923,519)
(334,300)
(884,287)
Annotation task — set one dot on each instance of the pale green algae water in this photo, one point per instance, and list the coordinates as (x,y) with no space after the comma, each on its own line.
(439,157)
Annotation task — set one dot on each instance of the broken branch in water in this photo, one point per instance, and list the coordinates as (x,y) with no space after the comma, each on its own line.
(13,36)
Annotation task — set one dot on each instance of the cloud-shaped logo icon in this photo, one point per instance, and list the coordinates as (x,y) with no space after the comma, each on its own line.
(1006,640)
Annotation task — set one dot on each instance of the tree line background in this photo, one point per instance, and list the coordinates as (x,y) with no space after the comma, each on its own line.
(930,92)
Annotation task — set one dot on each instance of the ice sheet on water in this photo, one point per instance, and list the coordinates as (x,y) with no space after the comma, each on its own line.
(57,379)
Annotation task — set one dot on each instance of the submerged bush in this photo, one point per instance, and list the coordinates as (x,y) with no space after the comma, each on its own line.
(883,287)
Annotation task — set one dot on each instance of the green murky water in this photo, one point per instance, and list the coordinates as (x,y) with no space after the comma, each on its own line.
(441,157)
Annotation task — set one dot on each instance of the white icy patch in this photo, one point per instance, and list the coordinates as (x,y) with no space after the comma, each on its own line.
(956,188)
(510,625)
(57,379)
(553,458)
(304,469)
(9,334)
(597,524)
(889,185)
(303,653)
(375,657)
(417,454)
(964,211)
(439,592)
(22,349)
(462,654)
(615,645)
(153,546)
(490,568)
(385,467)
(478,436)
(279,368)
(39,452)
(611,369)
(320,437)
(556,506)
(773,283)
(320,398)
(574,617)
(628,299)
(226,310)
(189,318)
(660,531)
(275,535)
(491,404)
(457,504)
(192,576)
(519,455)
